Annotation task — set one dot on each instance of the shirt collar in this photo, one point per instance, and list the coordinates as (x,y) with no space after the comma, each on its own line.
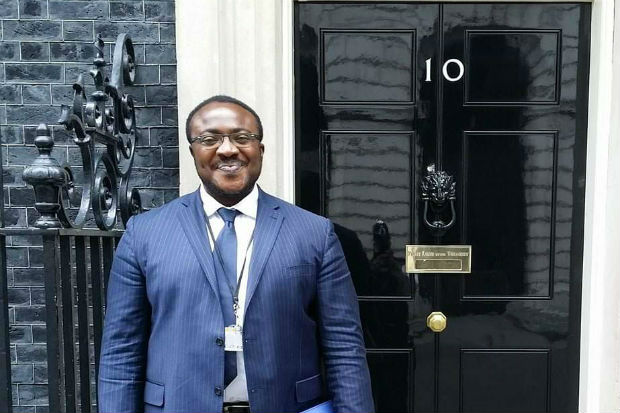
(247,206)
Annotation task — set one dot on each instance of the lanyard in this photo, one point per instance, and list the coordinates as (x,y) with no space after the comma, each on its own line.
(235,292)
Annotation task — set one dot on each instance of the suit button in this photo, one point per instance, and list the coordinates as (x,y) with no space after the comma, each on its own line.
(218,391)
(219,341)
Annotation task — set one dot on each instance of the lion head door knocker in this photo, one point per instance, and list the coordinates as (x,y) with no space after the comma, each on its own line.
(438,190)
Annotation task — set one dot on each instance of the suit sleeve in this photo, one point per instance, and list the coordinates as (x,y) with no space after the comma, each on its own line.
(348,379)
(125,334)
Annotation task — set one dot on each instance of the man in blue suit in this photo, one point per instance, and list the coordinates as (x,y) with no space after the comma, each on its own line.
(228,299)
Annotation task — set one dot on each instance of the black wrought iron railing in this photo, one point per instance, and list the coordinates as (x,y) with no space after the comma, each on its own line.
(77,264)
(77,260)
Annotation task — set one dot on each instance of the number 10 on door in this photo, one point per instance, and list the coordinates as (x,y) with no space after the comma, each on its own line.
(444,70)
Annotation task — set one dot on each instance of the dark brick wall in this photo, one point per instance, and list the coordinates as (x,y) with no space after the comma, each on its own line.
(45,45)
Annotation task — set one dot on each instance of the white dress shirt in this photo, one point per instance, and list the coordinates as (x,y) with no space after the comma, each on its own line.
(245,222)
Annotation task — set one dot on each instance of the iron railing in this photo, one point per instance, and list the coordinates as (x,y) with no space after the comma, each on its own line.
(76,260)
(77,265)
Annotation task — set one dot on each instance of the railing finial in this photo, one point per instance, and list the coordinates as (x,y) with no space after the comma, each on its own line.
(43,140)
(47,178)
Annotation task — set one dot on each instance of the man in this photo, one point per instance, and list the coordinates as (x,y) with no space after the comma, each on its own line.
(229,299)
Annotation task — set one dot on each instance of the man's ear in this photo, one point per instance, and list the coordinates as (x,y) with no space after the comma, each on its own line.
(191,150)
(262,149)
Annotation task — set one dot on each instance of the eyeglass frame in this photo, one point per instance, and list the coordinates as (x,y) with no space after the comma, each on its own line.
(231,137)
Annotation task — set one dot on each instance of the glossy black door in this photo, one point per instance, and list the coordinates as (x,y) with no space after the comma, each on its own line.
(511,130)
(515,141)
(362,108)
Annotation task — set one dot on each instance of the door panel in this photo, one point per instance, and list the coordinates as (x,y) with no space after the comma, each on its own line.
(366,173)
(511,131)
(492,380)
(392,375)
(511,143)
(361,105)
(508,178)
(508,67)
(353,60)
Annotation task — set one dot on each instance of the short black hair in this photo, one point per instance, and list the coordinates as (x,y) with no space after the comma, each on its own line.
(222,99)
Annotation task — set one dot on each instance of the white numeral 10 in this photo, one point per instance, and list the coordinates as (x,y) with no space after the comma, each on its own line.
(444,70)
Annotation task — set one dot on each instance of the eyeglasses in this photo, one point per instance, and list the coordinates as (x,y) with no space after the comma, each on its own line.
(214,140)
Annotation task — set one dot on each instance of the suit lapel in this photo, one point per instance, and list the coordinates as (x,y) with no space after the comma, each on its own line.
(268,223)
(193,223)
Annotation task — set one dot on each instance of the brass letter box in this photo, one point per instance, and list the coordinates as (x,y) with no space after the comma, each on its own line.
(446,259)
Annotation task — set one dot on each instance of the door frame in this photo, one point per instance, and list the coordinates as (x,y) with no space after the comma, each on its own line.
(250,55)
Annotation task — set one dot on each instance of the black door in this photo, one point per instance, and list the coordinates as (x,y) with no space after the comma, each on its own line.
(495,95)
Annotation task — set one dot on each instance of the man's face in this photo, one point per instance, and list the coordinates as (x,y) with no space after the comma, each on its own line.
(228,172)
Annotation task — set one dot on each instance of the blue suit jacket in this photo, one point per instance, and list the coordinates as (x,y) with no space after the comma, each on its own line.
(160,350)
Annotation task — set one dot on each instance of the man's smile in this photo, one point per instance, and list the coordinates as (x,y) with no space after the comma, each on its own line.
(230,167)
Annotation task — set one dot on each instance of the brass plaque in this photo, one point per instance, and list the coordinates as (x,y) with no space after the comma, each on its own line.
(446,259)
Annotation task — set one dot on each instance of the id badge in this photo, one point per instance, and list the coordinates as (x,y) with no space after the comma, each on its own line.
(233,338)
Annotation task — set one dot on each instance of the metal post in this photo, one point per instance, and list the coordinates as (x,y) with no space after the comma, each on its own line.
(97,289)
(6,398)
(108,256)
(68,403)
(82,304)
(51,262)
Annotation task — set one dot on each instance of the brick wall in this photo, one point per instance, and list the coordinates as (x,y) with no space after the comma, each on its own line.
(45,45)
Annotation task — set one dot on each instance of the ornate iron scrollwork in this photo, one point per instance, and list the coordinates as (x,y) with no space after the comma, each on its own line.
(438,189)
(105,170)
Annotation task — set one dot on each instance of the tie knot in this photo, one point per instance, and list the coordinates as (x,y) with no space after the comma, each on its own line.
(228,215)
